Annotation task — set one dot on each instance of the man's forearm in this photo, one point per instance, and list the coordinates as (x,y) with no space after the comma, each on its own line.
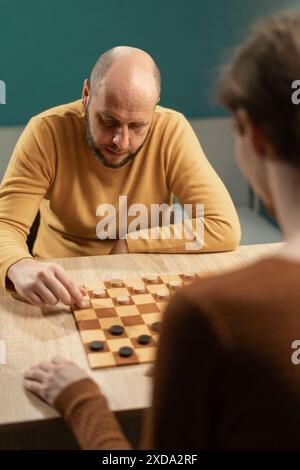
(189,236)
(13,248)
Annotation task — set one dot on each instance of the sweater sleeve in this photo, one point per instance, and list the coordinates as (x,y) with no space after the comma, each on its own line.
(211,222)
(85,411)
(26,181)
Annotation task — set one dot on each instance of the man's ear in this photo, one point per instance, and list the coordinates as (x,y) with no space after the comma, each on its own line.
(85,97)
(251,131)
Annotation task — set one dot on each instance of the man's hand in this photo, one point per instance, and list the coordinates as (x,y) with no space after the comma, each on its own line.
(120,247)
(43,283)
(48,379)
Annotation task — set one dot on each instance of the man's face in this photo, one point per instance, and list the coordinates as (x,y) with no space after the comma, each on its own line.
(117,128)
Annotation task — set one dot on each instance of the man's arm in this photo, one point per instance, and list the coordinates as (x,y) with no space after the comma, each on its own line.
(26,182)
(193,180)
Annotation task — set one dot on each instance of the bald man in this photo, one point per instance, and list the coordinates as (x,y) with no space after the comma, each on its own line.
(102,172)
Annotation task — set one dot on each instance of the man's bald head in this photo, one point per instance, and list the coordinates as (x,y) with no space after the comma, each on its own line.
(120,104)
(123,68)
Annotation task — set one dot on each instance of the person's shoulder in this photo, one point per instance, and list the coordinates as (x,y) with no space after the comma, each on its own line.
(222,305)
(169,123)
(167,113)
(65,112)
(166,116)
(254,286)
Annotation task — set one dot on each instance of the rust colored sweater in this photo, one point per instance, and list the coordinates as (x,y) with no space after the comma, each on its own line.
(53,170)
(223,377)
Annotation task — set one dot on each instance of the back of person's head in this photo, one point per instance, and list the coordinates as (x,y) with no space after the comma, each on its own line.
(259,80)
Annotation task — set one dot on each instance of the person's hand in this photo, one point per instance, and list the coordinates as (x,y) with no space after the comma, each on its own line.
(119,247)
(48,379)
(43,283)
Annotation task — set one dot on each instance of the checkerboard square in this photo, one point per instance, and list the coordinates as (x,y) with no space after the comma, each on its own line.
(126,310)
(132,320)
(146,354)
(116,344)
(159,281)
(88,314)
(117,291)
(91,295)
(88,306)
(125,361)
(137,330)
(105,312)
(132,292)
(102,303)
(117,304)
(150,318)
(90,351)
(108,322)
(101,359)
(131,281)
(108,285)
(88,324)
(137,345)
(109,336)
(148,308)
(88,336)
(153,289)
(143,299)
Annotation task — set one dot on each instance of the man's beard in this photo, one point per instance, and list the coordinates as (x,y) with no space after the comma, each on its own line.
(97,151)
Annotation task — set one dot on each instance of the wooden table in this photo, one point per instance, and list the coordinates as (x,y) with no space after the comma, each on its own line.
(32,334)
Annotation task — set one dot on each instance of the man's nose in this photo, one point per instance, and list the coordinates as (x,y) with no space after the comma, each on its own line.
(121,138)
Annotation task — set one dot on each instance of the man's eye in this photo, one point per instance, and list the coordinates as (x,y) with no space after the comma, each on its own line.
(109,123)
(136,126)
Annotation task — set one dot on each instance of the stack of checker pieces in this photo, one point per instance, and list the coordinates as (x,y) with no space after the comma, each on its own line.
(120,324)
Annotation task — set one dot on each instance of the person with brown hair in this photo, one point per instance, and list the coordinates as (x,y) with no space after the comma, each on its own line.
(224,376)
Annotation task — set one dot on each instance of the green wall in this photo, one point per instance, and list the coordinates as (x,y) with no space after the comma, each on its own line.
(48,47)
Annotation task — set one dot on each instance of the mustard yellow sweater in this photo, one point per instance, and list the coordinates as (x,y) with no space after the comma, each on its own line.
(53,170)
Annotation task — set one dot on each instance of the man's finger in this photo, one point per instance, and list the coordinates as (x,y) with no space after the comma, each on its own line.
(72,288)
(58,290)
(46,295)
(83,290)
(34,298)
